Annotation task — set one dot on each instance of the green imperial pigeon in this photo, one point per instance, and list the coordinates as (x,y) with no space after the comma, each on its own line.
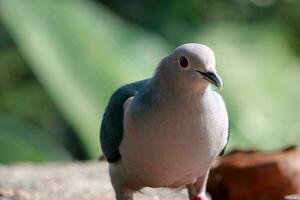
(166,131)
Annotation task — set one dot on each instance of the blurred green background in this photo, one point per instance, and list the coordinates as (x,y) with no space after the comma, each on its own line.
(60,60)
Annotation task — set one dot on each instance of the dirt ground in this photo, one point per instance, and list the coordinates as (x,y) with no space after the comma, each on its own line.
(67,181)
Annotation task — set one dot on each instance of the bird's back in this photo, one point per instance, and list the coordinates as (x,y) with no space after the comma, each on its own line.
(111,132)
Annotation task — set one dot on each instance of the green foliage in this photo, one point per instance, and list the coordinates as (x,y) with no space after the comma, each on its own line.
(80,54)
(23,142)
(260,75)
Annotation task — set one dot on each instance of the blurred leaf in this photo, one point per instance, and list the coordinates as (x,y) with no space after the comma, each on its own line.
(22,142)
(81,53)
(261,77)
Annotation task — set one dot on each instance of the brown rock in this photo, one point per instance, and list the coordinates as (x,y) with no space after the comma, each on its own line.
(292,197)
(255,175)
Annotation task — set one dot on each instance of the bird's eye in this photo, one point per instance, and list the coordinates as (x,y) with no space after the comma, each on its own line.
(183,62)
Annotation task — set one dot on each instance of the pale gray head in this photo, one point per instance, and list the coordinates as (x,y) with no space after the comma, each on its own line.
(191,65)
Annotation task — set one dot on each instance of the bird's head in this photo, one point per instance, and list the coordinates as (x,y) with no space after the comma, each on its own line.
(192,64)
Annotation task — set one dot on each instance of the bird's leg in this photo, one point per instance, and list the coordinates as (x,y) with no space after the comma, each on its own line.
(122,192)
(197,190)
(123,195)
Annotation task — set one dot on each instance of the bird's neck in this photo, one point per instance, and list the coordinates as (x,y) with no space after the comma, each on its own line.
(161,91)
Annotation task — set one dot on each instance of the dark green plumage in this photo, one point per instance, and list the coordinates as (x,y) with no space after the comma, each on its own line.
(111,132)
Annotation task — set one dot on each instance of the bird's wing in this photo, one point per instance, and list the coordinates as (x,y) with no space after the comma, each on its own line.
(228,125)
(223,150)
(111,132)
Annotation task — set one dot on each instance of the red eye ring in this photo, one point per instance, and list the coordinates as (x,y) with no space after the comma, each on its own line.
(183,62)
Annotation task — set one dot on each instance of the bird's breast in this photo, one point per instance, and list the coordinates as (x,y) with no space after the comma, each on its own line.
(171,147)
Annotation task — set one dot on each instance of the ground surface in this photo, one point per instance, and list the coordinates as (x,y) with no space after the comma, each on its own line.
(243,175)
(68,181)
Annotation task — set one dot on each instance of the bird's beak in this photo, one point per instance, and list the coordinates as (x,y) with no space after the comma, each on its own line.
(213,78)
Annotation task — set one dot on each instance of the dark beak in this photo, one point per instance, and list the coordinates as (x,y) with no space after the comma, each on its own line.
(213,78)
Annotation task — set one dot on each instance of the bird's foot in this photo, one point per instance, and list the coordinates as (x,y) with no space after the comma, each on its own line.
(201,197)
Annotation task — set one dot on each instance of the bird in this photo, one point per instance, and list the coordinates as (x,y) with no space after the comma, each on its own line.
(167,130)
